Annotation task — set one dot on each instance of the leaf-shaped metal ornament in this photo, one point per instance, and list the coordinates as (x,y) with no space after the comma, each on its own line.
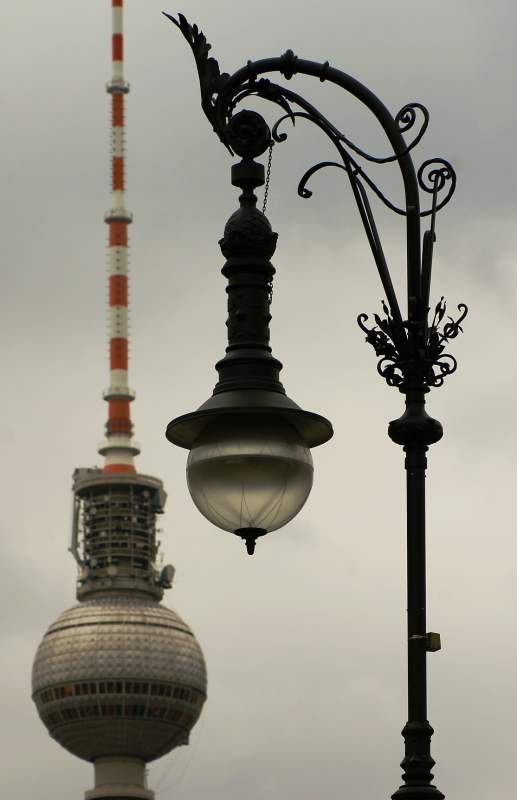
(273,93)
(211,80)
(421,366)
(439,312)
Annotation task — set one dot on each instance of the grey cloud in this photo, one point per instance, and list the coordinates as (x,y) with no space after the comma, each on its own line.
(304,642)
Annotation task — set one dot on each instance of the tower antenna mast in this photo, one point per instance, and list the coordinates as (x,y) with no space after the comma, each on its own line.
(118,448)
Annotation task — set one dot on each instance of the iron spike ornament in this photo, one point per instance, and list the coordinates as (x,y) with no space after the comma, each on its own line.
(399,368)
(249,423)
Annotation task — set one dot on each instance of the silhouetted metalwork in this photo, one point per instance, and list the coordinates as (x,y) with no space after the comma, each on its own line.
(398,368)
(412,348)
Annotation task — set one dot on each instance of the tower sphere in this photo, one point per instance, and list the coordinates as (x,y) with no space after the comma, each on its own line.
(119,674)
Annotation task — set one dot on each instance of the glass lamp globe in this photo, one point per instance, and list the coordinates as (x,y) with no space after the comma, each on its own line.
(249,474)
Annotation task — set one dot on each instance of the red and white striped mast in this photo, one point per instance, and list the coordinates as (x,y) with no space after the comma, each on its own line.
(118,448)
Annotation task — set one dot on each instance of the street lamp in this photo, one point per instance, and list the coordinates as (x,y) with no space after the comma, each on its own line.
(249,468)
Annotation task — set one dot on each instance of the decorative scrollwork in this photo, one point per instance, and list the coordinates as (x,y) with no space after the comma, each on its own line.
(302,186)
(439,172)
(421,363)
(407,116)
(405,119)
(266,90)
(213,85)
(221,98)
(433,176)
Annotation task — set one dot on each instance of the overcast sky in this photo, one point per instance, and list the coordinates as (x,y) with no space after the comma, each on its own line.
(304,642)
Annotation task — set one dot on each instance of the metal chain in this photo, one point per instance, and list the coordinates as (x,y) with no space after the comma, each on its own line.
(268,175)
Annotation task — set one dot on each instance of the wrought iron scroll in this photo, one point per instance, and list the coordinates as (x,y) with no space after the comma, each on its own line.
(213,84)
(411,351)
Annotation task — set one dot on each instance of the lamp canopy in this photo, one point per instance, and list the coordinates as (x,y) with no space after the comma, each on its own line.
(248,374)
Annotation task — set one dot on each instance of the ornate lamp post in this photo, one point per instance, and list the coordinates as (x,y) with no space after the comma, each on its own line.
(249,468)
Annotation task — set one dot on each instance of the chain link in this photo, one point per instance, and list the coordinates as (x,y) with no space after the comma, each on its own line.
(268,175)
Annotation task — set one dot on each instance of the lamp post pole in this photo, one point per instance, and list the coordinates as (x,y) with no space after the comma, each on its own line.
(418,762)
(411,351)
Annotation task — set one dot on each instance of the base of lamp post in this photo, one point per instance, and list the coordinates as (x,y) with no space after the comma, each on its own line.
(417,764)
(418,792)
(429,792)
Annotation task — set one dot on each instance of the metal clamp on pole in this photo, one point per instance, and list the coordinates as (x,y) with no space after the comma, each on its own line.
(434,642)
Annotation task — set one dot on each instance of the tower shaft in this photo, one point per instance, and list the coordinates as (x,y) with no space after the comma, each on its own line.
(117,778)
(118,448)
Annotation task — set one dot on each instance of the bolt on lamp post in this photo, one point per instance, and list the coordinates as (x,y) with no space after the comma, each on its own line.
(249,468)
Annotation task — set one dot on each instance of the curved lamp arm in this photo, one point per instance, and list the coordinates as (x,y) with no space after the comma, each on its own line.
(395,340)
(289,65)
(220,94)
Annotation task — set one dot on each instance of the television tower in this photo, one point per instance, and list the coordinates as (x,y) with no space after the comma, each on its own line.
(118,680)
